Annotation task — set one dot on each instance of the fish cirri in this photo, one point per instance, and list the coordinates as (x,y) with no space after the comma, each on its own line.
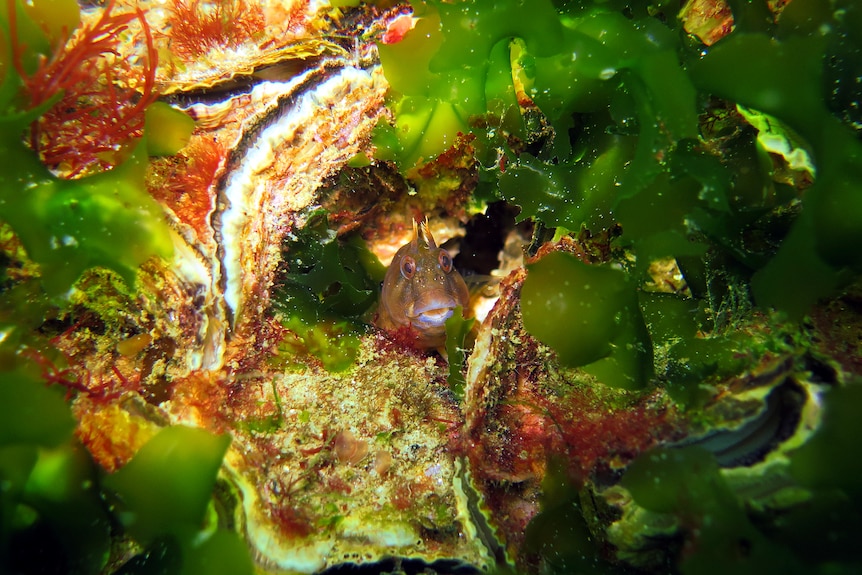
(421,289)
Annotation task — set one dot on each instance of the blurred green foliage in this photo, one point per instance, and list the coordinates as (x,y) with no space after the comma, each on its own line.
(161,498)
(559,538)
(59,513)
(719,536)
(644,131)
(598,305)
(166,487)
(723,533)
(168,129)
(823,463)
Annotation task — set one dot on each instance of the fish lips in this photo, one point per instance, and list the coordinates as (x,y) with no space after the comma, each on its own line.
(431,312)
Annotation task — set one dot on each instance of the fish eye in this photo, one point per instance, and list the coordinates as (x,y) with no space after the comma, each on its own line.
(445,261)
(408,267)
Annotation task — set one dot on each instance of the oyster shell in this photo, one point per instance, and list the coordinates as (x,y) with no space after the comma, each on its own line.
(324,468)
(523,410)
(312,493)
(524,414)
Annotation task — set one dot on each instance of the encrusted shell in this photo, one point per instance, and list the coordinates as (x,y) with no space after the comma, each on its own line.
(523,410)
(325,468)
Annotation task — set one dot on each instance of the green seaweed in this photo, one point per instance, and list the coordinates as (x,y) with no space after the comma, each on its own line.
(326,275)
(631,103)
(330,283)
(786,81)
(719,537)
(168,129)
(740,161)
(457,331)
(724,532)
(162,497)
(823,528)
(32,414)
(53,501)
(823,462)
(598,305)
(49,494)
(166,487)
(61,488)
(69,226)
(334,342)
(559,537)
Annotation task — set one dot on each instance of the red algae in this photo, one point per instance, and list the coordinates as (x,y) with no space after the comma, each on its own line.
(290,522)
(593,439)
(184,185)
(99,110)
(197,26)
(528,429)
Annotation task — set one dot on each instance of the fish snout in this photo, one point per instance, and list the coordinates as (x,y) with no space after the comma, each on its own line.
(432,310)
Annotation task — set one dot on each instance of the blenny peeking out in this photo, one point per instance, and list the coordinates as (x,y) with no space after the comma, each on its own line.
(421,289)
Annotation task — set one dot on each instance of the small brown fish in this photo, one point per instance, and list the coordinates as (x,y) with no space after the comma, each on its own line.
(421,289)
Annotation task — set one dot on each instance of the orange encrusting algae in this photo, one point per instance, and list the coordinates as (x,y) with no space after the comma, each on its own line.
(197,27)
(102,97)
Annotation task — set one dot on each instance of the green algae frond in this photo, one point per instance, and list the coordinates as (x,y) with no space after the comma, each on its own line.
(162,498)
(559,535)
(824,462)
(604,329)
(686,482)
(639,133)
(166,487)
(457,332)
(168,129)
(330,283)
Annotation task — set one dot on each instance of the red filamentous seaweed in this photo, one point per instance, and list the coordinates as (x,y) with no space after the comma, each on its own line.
(197,27)
(100,111)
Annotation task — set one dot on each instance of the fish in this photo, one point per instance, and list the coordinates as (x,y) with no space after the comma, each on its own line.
(421,290)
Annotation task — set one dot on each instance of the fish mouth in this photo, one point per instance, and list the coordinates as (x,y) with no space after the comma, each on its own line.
(432,313)
(432,317)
